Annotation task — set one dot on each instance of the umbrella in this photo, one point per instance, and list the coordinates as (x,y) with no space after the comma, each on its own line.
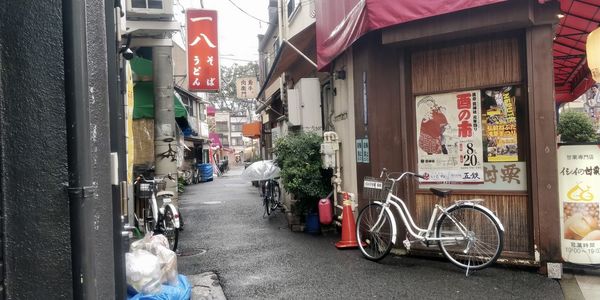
(261,170)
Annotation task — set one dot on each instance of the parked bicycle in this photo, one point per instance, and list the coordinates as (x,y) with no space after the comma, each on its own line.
(159,220)
(468,233)
(271,193)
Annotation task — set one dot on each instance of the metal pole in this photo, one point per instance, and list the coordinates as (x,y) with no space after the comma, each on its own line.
(164,116)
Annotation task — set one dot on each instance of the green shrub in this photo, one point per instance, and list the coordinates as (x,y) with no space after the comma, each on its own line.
(298,156)
(576,127)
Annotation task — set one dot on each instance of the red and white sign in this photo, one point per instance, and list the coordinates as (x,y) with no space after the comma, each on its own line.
(203,50)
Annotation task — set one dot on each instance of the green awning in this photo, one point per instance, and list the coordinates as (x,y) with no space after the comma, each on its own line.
(142,68)
(143,102)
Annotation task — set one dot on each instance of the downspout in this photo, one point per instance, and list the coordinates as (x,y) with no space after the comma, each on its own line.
(81,188)
(117,142)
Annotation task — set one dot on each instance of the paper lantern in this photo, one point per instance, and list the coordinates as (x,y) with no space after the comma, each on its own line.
(593,53)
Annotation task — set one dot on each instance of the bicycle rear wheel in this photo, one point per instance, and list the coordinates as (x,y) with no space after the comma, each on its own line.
(169,229)
(275,196)
(482,244)
(374,232)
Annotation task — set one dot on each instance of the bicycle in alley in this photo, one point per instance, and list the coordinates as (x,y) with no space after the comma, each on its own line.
(164,219)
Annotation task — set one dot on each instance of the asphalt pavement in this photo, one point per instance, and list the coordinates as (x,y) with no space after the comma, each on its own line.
(259,257)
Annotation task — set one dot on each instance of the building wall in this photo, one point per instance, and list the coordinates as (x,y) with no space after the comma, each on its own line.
(36,243)
(342,117)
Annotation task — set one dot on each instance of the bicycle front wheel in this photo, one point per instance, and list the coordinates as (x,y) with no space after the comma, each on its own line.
(267,205)
(471,237)
(374,232)
(169,229)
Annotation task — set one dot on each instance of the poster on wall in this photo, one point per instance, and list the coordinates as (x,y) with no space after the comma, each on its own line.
(449,137)
(579,196)
(500,124)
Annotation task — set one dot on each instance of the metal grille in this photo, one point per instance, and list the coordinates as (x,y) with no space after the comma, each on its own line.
(376,189)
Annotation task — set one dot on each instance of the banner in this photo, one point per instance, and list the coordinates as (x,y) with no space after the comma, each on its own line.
(579,196)
(449,137)
(203,50)
(500,123)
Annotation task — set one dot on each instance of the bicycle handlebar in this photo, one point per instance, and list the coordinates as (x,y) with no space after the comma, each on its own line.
(385,171)
(155,180)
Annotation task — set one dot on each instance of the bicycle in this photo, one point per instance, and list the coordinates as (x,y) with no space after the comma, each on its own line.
(165,219)
(468,234)
(271,193)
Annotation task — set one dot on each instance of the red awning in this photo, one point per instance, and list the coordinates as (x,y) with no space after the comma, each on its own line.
(572,76)
(340,23)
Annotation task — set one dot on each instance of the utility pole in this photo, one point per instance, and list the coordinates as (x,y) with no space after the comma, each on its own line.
(165,145)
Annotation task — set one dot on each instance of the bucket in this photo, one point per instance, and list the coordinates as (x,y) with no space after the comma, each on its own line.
(312,223)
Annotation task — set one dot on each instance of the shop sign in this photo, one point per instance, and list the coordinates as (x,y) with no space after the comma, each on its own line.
(246,88)
(203,50)
(497,176)
(500,123)
(579,196)
(449,137)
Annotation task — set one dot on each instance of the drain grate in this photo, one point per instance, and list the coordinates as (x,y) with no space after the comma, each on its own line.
(190,252)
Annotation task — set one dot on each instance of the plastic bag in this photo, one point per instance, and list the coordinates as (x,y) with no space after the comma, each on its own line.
(159,246)
(143,271)
(182,291)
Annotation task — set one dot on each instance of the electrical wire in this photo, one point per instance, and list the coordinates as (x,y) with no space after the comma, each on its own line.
(249,15)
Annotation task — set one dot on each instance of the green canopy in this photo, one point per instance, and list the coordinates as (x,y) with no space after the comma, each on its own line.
(143,99)
(142,68)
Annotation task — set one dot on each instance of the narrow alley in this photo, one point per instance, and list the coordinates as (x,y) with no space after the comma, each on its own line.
(256,257)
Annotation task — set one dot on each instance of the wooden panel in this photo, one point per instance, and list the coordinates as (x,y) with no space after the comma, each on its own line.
(510,209)
(480,64)
(384,121)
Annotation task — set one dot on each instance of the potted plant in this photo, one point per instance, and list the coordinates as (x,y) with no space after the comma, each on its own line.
(299,158)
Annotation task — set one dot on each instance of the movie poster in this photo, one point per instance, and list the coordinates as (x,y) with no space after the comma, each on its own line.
(449,137)
(500,124)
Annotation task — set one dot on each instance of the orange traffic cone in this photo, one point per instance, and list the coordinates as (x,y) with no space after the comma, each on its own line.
(348,226)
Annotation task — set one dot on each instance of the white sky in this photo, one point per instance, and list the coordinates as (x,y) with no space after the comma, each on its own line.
(237,31)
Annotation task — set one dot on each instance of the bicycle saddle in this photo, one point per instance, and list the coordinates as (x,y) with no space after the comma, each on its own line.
(440,193)
(163,193)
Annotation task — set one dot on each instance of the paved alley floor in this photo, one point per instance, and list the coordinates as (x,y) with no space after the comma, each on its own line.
(256,257)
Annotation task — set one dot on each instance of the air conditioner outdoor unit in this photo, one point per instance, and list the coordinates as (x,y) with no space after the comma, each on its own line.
(150,8)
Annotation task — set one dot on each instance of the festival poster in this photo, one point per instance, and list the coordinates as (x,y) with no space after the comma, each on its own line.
(500,124)
(579,197)
(449,137)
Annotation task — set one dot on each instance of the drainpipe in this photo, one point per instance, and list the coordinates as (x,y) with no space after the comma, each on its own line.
(81,188)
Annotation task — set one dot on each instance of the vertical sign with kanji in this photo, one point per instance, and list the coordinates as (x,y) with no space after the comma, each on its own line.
(449,137)
(203,50)
(246,87)
(579,196)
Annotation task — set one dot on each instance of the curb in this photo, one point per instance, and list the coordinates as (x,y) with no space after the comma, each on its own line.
(206,286)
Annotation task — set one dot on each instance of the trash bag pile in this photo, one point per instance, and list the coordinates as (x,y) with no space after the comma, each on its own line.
(151,269)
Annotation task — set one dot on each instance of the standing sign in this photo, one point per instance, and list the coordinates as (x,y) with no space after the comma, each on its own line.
(579,196)
(203,50)
(449,137)
(501,124)
(246,88)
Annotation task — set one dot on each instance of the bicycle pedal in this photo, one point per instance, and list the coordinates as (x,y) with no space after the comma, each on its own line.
(406,244)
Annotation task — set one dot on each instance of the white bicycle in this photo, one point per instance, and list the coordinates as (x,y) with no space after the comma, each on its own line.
(468,233)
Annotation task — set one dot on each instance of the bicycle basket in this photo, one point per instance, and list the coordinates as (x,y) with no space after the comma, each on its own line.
(376,189)
(144,190)
(161,186)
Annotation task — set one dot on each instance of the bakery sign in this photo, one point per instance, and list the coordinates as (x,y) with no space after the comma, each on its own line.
(579,196)
(203,50)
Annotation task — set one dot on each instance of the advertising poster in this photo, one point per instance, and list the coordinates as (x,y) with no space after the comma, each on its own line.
(203,50)
(500,124)
(449,137)
(579,196)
